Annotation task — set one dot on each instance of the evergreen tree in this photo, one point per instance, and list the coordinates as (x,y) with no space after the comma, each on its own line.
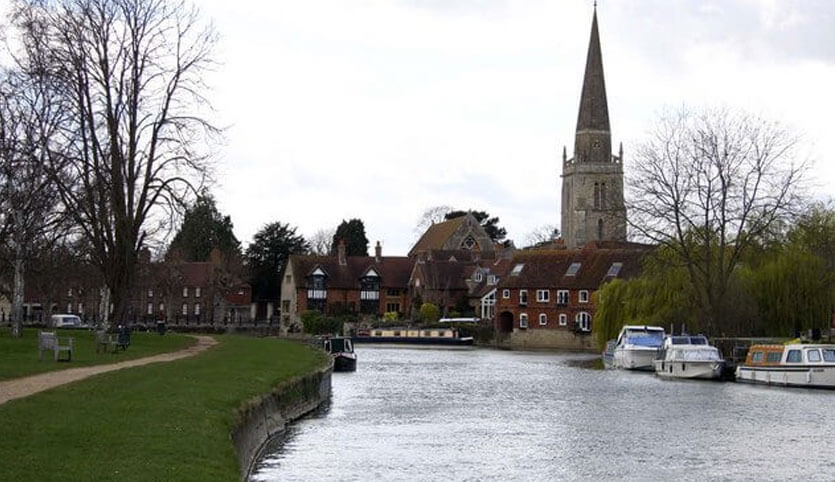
(353,234)
(205,228)
(267,256)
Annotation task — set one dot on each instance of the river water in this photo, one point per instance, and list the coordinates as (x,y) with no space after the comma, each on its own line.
(480,414)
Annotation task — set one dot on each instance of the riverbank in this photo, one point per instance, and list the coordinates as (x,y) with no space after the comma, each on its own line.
(168,421)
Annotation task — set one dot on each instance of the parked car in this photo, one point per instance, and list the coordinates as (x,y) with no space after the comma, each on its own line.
(65,321)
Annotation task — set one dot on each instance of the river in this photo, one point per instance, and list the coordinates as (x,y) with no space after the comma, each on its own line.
(480,414)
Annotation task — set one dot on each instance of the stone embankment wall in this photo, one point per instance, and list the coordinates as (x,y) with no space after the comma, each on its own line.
(546,340)
(264,417)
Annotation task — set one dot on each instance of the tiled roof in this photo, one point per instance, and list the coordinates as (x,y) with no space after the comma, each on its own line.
(445,275)
(394,271)
(547,269)
(437,235)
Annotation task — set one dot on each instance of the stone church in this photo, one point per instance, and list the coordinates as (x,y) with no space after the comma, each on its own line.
(592,180)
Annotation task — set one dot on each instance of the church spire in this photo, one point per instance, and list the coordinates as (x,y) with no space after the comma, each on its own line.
(593,142)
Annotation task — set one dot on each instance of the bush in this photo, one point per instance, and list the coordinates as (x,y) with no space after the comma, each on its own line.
(315,323)
(429,313)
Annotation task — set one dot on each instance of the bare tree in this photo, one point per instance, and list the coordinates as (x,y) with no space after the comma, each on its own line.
(321,242)
(708,184)
(430,216)
(30,214)
(130,74)
(542,234)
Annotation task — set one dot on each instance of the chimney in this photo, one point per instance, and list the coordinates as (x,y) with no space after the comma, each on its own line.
(340,250)
(378,252)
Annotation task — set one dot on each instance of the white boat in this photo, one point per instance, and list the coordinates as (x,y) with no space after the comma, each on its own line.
(793,365)
(686,356)
(637,347)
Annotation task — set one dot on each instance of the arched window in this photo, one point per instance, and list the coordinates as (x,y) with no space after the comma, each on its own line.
(599,229)
(602,196)
(597,195)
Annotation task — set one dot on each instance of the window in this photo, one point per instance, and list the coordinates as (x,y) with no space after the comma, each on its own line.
(149,310)
(773,357)
(185,292)
(563,319)
(477,277)
(794,356)
(288,279)
(393,292)
(392,307)
(584,296)
(197,292)
(757,357)
(80,308)
(469,243)
(573,269)
(614,269)
(505,294)
(562,297)
(69,293)
(599,229)
(370,292)
(185,309)
(543,319)
(150,293)
(523,297)
(197,308)
(491,279)
(69,308)
(583,321)
(543,296)
(162,307)
(517,270)
(829,355)
(814,356)
(523,320)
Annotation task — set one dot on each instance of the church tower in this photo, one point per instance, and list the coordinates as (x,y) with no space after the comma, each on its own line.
(592,180)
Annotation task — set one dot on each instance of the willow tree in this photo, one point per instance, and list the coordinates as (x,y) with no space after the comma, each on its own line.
(129,73)
(706,185)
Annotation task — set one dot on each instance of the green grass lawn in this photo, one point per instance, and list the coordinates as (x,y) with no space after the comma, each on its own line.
(166,421)
(19,356)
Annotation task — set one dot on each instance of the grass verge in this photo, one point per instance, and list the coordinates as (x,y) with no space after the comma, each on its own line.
(167,421)
(19,356)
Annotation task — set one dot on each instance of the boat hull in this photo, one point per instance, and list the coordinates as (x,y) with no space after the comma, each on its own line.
(638,358)
(344,362)
(701,369)
(414,340)
(794,376)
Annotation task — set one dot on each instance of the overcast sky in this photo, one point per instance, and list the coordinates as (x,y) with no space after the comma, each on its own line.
(381,109)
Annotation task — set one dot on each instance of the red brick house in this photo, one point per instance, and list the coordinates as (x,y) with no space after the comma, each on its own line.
(546,299)
(366,285)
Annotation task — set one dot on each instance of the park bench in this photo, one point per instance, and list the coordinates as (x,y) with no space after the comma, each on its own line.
(48,341)
(105,342)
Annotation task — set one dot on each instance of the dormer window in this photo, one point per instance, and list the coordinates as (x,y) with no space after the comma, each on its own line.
(491,279)
(517,270)
(317,290)
(370,292)
(573,269)
(614,269)
(477,277)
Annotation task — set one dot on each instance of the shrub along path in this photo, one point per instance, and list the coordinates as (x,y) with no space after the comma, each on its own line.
(23,387)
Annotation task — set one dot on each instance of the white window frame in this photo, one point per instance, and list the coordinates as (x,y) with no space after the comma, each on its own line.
(563,319)
(197,308)
(69,293)
(583,323)
(543,319)
(197,292)
(162,307)
(149,310)
(185,309)
(505,294)
(583,296)
(185,291)
(543,296)
(561,294)
(525,293)
(69,307)
(477,277)
(150,293)
(80,307)
(523,320)
(491,279)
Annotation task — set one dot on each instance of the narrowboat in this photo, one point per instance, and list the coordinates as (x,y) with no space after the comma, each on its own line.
(637,346)
(342,351)
(419,336)
(791,365)
(687,356)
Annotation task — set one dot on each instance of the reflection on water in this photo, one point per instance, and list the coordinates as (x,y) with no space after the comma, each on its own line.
(477,414)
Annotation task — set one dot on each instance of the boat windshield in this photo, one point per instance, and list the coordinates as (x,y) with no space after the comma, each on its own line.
(645,337)
(340,345)
(702,354)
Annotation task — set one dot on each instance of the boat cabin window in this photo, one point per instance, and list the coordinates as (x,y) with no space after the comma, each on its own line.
(813,355)
(680,340)
(698,340)
(829,355)
(378,333)
(773,357)
(794,356)
(757,357)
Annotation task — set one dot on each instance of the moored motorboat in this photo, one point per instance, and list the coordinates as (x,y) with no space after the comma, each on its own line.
(637,347)
(342,351)
(688,356)
(792,365)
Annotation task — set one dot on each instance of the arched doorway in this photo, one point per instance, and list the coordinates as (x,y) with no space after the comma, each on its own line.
(505,322)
